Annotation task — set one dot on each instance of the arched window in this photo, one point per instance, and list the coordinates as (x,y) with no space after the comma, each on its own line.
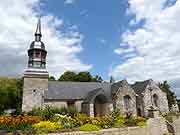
(127,100)
(155,100)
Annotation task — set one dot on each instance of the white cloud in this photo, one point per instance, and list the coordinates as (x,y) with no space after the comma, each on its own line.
(69,1)
(157,42)
(17,27)
(124,50)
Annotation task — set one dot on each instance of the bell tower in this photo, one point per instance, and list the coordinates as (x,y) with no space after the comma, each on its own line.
(36,75)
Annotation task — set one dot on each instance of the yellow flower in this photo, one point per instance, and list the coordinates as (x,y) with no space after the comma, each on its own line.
(47,124)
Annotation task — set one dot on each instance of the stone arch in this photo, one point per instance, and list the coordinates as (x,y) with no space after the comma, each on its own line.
(100,105)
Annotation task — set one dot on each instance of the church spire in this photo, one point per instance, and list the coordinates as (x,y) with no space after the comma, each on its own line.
(38,34)
(37,53)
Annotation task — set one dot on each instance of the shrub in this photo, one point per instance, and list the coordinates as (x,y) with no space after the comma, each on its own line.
(116,113)
(47,125)
(48,112)
(131,121)
(71,111)
(82,119)
(119,121)
(141,123)
(89,127)
(66,121)
(103,122)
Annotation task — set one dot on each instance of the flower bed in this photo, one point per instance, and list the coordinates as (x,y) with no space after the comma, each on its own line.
(49,121)
(12,123)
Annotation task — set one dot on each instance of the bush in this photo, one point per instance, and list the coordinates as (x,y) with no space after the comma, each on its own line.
(131,121)
(104,122)
(66,121)
(141,123)
(47,125)
(82,119)
(135,121)
(48,112)
(119,121)
(116,113)
(89,127)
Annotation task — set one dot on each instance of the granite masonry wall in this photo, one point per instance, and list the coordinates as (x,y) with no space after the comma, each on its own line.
(60,104)
(33,93)
(162,98)
(126,90)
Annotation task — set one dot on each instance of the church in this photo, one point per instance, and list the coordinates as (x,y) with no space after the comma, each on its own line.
(92,98)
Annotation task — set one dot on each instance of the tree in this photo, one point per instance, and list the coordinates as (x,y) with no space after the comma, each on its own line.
(68,76)
(19,86)
(79,77)
(83,77)
(11,93)
(170,95)
(51,78)
(8,93)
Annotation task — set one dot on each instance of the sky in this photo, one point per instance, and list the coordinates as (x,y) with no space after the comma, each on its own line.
(127,39)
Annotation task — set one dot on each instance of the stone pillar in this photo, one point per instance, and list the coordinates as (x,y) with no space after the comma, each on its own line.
(157,126)
(153,112)
(91,110)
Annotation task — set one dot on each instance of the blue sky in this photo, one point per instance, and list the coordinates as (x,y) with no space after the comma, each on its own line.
(132,39)
(101,28)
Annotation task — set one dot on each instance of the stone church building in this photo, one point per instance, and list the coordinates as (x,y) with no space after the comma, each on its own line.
(92,98)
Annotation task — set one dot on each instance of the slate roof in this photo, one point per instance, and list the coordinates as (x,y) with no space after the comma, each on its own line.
(75,90)
(139,87)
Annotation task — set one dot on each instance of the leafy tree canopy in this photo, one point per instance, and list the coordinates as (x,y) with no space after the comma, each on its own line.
(10,93)
(79,77)
(68,76)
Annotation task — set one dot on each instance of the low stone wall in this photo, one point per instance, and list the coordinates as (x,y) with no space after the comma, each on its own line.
(112,131)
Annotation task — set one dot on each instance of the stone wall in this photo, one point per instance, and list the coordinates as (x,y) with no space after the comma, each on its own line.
(33,92)
(58,104)
(124,91)
(162,98)
(61,103)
